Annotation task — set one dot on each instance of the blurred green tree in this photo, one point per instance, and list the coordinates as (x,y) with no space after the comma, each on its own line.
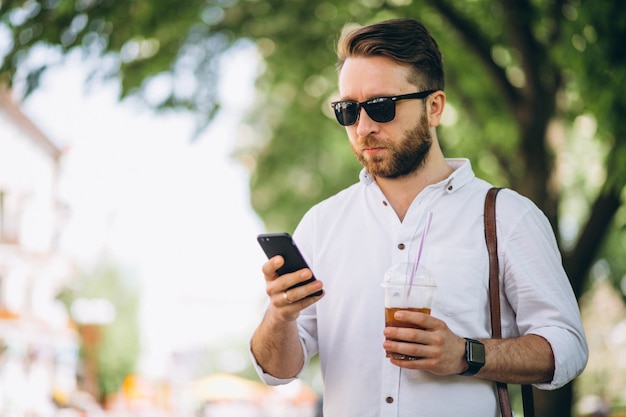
(118,343)
(532,89)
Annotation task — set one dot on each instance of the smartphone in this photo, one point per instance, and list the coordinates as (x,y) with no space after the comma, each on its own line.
(282,244)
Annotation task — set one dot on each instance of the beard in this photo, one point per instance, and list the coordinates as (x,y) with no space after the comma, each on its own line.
(402,158)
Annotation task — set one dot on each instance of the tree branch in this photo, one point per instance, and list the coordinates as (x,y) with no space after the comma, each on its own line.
(475,40)
(556,16)
(579,260)
(519,18)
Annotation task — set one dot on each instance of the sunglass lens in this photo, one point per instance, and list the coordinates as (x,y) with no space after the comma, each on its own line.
(381,111)
(346,112)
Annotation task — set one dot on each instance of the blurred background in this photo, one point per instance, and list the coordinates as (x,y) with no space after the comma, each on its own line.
(145,144)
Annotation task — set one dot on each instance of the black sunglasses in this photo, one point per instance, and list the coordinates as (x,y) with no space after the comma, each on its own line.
(379,109)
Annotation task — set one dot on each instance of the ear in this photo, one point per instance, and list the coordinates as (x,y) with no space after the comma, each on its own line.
(434,105)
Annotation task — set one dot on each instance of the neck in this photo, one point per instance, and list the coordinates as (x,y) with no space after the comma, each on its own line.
(400,192)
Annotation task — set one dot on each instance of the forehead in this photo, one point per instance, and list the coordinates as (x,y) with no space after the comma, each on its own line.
(365,77)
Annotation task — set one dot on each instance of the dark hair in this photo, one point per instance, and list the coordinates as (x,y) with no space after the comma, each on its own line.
(406,41)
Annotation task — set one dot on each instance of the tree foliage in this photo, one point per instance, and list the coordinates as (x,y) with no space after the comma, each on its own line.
(532,86)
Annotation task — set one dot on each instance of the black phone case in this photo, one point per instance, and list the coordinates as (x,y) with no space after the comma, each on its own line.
(282,244)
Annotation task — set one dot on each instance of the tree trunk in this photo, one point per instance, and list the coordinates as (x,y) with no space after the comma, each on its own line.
(557,403)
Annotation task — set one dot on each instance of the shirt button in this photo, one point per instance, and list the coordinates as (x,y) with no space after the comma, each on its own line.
(389,400)
(401,246)
(450,188)
(385,203)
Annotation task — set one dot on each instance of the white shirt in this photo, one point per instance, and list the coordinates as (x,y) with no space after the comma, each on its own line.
(352,238)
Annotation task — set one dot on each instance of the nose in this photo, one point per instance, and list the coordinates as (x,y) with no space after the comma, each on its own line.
(365,125)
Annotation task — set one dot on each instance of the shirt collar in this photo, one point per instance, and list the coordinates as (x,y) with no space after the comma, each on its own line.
(366,178)
(461,175)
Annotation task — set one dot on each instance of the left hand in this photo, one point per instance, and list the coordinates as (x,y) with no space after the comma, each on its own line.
(440,351)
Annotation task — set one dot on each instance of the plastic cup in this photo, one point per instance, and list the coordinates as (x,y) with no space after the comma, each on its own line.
(404,293)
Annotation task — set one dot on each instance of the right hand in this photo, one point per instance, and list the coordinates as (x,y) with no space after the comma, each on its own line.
(286,304)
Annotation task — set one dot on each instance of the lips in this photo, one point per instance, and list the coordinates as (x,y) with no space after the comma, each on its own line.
(372,151)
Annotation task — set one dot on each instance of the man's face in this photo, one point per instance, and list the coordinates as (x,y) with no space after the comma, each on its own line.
(392,149)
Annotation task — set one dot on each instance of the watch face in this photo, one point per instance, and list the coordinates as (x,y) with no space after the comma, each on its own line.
(476,352)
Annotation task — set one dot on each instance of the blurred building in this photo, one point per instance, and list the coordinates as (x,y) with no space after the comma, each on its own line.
(38,346)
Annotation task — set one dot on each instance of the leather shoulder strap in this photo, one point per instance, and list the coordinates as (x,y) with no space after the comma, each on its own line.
(491,238)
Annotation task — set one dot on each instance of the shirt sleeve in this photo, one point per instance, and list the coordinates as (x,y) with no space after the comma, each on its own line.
(308,341)
(265,377)
(537,289)
(307,321)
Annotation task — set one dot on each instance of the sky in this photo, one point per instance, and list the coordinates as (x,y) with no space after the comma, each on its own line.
(174,211)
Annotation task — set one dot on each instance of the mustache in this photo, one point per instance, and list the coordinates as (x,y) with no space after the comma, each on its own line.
(372,142)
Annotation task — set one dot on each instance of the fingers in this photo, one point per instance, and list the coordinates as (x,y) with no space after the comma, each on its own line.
(415,343)
(433,346)
(281,290)
(412,340)
(437,359)
(295,293)
(269,268)
(416,319)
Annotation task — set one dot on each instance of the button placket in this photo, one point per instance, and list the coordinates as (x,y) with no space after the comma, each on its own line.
(407,234)
(391,389)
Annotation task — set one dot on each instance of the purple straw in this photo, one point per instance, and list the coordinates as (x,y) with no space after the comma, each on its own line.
(419,251)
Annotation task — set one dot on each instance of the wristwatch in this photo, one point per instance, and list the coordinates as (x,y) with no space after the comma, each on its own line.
(474,355)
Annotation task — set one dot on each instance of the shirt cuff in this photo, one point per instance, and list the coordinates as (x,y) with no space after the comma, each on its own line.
(267,378)
(570,356)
